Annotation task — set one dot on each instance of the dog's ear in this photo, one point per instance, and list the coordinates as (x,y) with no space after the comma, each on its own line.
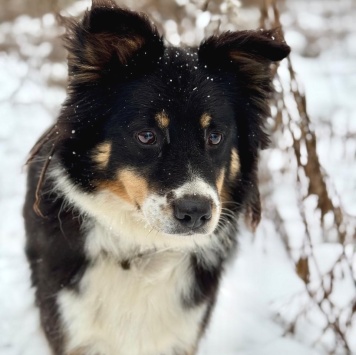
(240,48)
(107,40)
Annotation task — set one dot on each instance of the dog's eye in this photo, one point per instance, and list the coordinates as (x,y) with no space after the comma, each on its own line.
(146,137)
(214,138)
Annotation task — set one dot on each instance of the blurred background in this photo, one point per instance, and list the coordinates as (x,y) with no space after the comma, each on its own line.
(292,288)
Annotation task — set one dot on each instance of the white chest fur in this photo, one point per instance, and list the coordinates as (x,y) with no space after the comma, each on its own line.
(137,311)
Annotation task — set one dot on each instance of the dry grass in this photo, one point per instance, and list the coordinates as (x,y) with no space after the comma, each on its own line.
(312,180)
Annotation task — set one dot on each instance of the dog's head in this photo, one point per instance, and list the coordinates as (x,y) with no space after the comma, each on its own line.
(170,134)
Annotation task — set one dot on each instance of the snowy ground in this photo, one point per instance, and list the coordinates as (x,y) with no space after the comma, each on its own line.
(261,280)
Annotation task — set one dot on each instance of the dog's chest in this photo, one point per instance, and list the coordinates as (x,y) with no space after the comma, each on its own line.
(132,311)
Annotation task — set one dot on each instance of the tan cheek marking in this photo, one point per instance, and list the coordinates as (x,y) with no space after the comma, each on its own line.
(162,120)
(129,186)
(136,186)
(234,164)
(205,120)
(223,188)
(220,181)
(102,154)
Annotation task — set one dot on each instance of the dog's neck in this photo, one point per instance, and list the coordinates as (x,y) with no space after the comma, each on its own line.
(101,242)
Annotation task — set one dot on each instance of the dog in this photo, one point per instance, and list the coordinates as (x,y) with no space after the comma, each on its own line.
(135,192)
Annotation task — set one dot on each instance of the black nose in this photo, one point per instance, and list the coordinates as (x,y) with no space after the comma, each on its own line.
(193,211)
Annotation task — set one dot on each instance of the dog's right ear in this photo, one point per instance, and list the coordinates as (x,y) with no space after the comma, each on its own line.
(107,40)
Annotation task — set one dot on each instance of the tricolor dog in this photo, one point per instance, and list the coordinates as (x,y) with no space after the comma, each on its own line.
(134,193)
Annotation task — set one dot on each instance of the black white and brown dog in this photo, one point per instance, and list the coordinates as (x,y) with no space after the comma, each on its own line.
(134,193)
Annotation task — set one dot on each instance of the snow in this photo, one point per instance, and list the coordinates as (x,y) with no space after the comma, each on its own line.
(260,286)
(243,322)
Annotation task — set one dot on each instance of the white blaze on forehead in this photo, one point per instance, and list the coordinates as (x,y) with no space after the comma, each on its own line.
(198,187)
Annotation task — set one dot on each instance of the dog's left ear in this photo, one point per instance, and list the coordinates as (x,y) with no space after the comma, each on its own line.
(107,40)
(235,49)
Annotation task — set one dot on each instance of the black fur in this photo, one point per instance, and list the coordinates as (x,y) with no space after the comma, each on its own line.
(55,253)
(120,76)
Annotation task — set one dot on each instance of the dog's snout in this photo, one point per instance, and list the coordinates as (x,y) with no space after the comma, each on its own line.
(193,211)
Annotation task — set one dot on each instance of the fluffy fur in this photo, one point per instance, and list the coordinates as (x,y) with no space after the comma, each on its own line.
(134,193)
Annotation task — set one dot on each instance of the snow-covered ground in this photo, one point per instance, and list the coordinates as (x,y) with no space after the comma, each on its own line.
(261,282)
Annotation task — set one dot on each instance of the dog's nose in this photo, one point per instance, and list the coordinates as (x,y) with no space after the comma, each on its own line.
(193,211)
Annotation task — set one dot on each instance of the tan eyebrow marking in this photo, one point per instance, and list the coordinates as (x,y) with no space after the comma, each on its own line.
(162,119)
(234,164)
(102,154)
(205,120)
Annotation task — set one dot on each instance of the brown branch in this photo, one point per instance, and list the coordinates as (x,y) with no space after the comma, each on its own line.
(320,293)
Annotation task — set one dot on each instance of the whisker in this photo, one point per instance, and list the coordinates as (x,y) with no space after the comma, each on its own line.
(232,203)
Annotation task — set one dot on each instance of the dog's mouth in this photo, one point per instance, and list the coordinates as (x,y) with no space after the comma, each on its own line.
(191,233)
(178,231)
